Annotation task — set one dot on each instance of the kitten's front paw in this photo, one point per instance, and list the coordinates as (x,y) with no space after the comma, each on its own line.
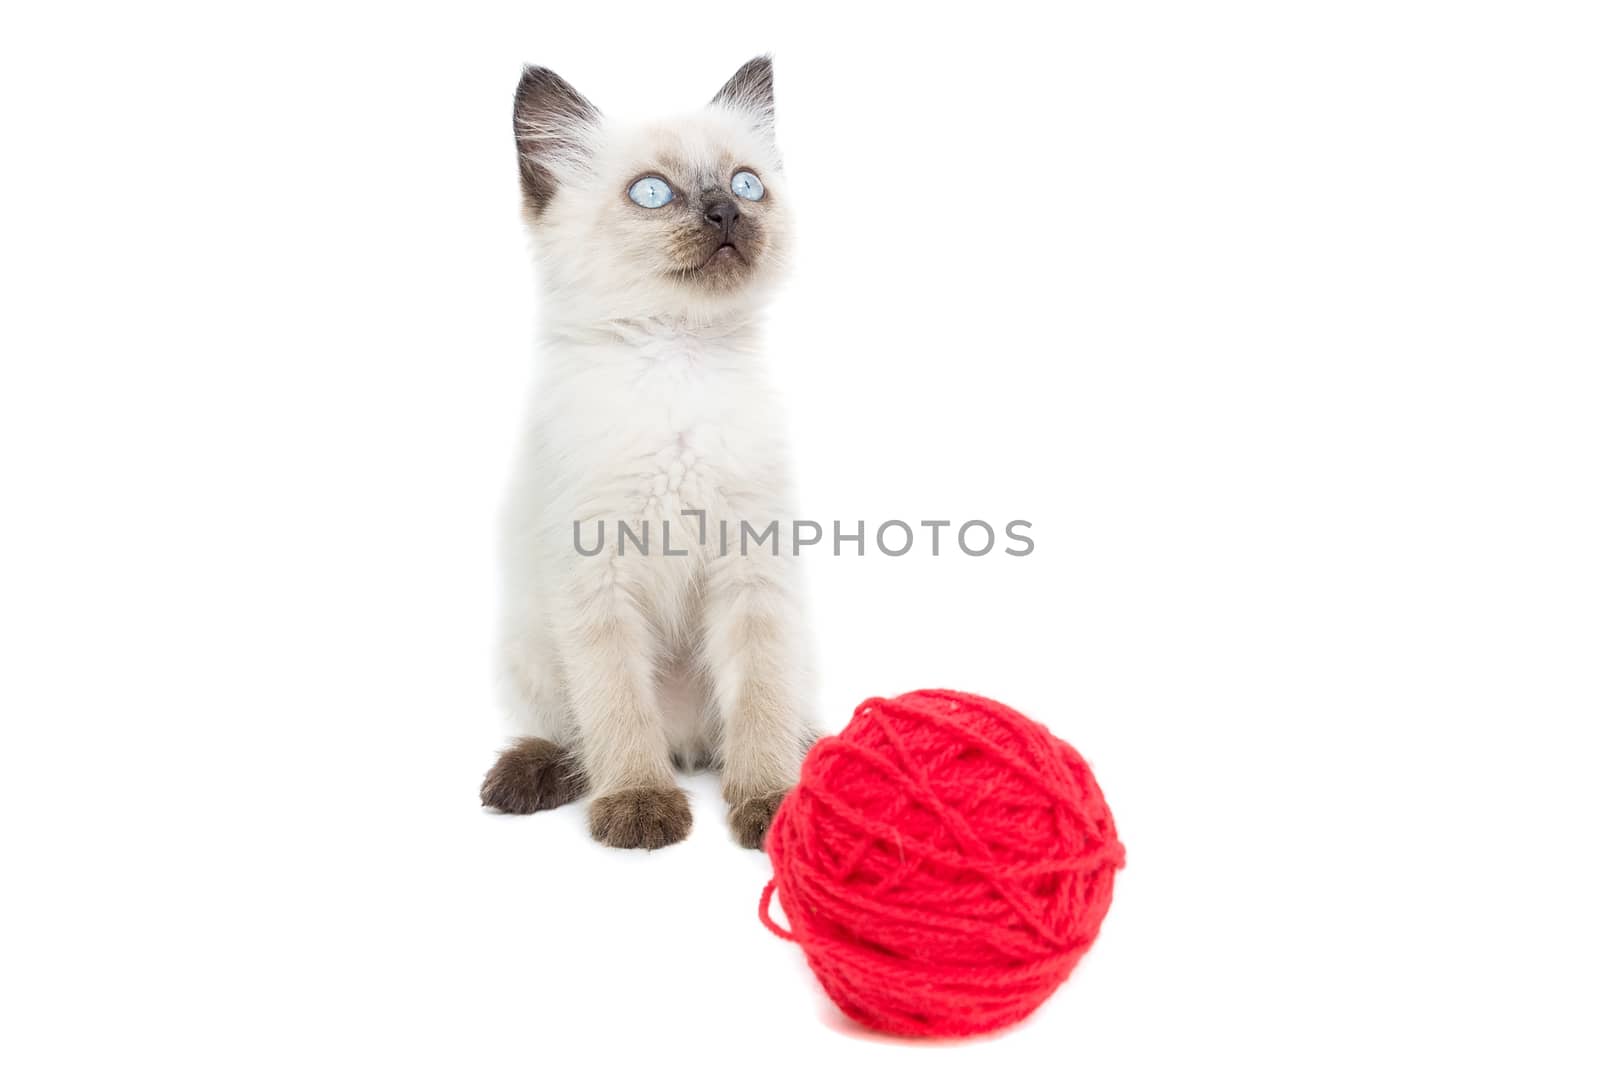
(640,818)
(751,818)
(532,775)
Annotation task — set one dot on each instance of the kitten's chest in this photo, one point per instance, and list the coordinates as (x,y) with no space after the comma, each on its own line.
(676,436)
(691,469)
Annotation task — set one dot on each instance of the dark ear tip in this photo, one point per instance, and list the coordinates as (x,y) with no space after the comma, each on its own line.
(758,69)
(533,77)
(750,86)
(542,88)
(528,84)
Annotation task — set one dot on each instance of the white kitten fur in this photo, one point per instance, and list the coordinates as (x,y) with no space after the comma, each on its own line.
(651,400)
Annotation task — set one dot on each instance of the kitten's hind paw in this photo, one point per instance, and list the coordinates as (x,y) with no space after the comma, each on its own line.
(693,760)
(751,818)
(532,775)
(640,818)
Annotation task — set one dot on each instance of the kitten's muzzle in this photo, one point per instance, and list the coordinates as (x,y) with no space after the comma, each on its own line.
(717,251)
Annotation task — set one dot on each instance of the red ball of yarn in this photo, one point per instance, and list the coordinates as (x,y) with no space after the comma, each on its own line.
(944,863)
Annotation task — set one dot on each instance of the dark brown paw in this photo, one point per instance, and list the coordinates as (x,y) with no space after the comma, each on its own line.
(690,761)
(532,775)
(640,818)
(750,818)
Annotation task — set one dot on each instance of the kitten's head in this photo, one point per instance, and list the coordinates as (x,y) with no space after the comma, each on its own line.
(683,218)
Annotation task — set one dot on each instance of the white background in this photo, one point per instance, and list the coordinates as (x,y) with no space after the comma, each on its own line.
(1278,321)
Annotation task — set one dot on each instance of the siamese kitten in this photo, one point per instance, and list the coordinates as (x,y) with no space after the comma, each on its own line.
(658,245)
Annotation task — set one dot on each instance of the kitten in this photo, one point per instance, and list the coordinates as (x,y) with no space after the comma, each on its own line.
(658,246)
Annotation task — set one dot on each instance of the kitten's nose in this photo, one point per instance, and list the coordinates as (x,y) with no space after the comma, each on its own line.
(722,214)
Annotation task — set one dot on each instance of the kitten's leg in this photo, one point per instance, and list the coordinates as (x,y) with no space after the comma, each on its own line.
(608,654)
(755,652)
(534,773)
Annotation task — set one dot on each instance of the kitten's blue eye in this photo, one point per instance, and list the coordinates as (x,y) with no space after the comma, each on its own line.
(748,186)
(650,192)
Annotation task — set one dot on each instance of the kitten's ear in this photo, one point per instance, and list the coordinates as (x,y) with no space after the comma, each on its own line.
(750,91)
(553,124)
